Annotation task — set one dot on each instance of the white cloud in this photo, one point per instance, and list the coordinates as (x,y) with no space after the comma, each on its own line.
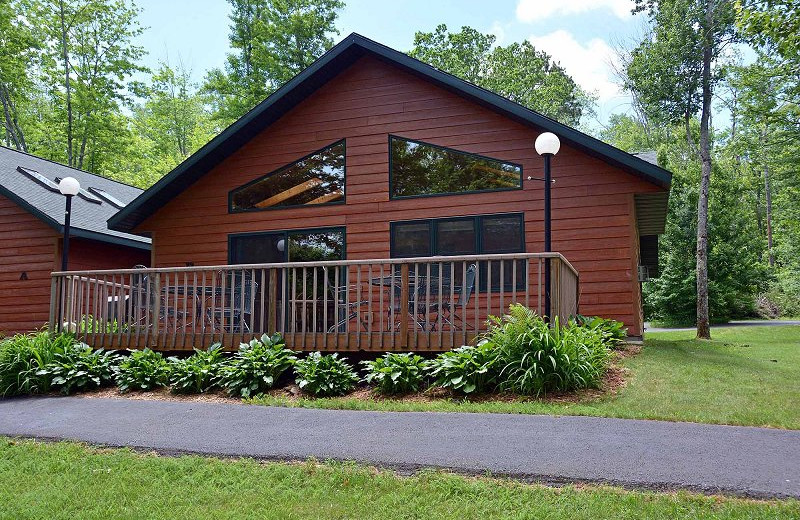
(499,32)
(589,65)
(535,10)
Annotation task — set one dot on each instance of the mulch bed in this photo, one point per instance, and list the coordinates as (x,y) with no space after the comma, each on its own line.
(613,382)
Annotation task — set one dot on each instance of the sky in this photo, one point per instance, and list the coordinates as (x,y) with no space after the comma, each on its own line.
(579,34)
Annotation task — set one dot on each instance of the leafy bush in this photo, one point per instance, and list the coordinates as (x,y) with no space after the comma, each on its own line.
(325,375)
(466,369)
(614,332)
(142,370)
(396,373)
(256,366)
(537,358)
(23,357)
(79,367)
(198,373)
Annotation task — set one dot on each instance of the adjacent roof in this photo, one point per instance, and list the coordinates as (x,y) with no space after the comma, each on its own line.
(30,181)
(323,70)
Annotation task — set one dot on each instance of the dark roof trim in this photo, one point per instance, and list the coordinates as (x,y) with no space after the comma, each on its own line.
(320,72)
(75,232)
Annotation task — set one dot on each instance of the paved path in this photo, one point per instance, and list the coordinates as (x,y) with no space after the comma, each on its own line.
(652,454)
(742,323)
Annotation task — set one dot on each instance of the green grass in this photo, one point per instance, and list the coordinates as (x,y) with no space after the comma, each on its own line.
(729,380)
(66,481)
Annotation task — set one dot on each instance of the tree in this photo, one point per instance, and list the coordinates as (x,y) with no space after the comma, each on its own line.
(171,124)
(87,69)
(18,53)
(673,72)
(517,71)
(272,41)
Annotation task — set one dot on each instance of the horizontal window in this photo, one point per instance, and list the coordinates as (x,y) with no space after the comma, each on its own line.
(484,234)
(418,169)
(317,178)
(304,245)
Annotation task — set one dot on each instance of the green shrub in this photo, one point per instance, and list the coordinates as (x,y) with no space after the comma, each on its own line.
(326,375)
(197,373)
(466,369)
(614,332)
(79,367)
(24,356)
(256,367)
(142,370)
(536,358)
(395,373)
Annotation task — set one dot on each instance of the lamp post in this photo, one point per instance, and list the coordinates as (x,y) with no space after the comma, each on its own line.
(69,187)
(547,145)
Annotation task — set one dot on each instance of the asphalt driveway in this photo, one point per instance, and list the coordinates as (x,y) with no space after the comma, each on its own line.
(746,461)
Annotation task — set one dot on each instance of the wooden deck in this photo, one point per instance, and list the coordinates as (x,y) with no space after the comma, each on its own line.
(349,305)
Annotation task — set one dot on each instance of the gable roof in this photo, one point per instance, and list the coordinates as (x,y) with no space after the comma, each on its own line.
(328,66)
(26,180)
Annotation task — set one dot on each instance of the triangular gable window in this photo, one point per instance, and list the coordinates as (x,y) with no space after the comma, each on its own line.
(317,178)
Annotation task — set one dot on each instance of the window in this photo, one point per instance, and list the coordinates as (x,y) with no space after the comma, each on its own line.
(302,245)
(485,234)
(317,178)
(418,169)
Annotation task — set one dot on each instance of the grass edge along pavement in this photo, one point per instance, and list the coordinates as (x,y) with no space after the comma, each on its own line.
(62,480)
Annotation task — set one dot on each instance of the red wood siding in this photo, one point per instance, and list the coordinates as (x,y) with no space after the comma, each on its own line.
(27,245)
(592,201)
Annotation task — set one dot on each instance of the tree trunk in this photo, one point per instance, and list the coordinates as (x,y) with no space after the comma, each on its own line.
(703,324)
(65,56)
(14,134)
(768,200)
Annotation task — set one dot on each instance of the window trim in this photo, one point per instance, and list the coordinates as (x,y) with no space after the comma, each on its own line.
(343,200)
(449,149)
(286,233)
(433,231)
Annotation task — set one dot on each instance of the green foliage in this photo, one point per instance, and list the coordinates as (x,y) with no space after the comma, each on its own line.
(468,369)
(518,71)
(395,373)
(198,373)
(24,358)
(325,375)
(256,367)
(142,370)
(271,42)
(536,358)
(614,332)
(79,367)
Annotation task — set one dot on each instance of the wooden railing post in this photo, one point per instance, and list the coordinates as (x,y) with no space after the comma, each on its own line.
(404,305)
(156,307)
(53,304)
(272,325)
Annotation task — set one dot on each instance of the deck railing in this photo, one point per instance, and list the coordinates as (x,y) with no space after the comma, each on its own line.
(432,303)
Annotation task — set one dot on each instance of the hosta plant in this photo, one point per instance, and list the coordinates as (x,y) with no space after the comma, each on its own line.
(256,367)
(395,373)
(325,375)
(79,367)
(467,369)
(197,373)
(142,370)
(24,356)
(614,332)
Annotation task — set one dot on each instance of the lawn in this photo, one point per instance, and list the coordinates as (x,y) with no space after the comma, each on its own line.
(67,480)
(745,376)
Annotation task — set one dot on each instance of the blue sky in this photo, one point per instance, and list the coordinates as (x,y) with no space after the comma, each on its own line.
(580,34)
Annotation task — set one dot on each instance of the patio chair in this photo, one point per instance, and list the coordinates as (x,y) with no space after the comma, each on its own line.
(448,308)
(345,311)
(235,308)
(142,301)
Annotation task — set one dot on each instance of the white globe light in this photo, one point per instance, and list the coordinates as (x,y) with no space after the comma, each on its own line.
(547,143)
(69,186)
(281,245)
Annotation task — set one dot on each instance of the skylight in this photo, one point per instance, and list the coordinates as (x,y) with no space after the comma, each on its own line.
(84,194)
(103,194)
(39,178)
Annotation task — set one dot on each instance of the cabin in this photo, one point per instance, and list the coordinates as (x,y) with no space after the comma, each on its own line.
(376,203)
(32,227)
